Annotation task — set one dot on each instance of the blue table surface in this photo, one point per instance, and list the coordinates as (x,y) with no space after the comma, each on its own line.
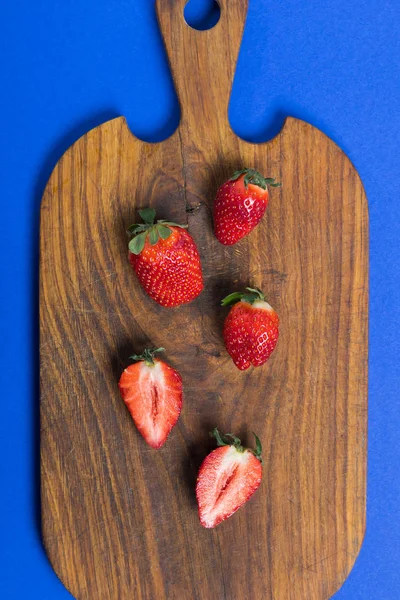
(67,66)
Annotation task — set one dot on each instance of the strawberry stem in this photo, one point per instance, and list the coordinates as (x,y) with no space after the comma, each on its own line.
(228,439)
(250,296)
(255,178)
(149,228)
(147,355)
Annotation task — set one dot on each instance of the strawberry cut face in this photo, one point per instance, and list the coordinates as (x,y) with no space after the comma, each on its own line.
(227,479)
(153,395)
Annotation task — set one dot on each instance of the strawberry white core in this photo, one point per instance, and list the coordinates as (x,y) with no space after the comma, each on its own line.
(261,304)
(152,386)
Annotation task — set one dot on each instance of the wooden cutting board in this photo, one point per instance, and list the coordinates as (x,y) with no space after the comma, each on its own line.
(120,519)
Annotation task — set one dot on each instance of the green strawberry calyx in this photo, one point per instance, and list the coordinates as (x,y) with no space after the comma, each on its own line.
(231,440)
(250,296)
(255,178)
(147,356)
(150,228)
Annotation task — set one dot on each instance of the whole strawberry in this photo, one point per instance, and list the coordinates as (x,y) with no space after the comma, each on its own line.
(240,205)
(152,391)
(250,329)
(165,259)
(228,477)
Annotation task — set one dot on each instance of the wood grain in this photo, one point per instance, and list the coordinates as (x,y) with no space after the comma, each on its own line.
(120,519)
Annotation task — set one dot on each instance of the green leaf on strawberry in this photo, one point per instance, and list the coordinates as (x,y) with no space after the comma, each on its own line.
(255,178)
(255,294)
(136,245)
(148,215)
(153,236)
(164,231)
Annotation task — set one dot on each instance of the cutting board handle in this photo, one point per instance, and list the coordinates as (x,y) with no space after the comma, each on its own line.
(202,62)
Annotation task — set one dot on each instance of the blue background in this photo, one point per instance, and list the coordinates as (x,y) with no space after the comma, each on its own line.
(68,65)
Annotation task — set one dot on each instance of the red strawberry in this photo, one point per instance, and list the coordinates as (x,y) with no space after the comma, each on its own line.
(152,391)
(250,329)
(166,260)
(228,477)
(240,205)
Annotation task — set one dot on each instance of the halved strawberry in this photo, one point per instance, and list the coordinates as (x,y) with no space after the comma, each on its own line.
(228,477)
(152,391)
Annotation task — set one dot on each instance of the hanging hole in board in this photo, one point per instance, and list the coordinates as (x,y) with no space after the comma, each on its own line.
(202,14)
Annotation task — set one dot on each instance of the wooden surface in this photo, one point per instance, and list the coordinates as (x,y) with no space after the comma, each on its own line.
(120,519)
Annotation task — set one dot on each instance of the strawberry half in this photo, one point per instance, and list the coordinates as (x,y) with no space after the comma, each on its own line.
(251,328)
(152,391)
(228,477)
(240,205)
(165,259)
